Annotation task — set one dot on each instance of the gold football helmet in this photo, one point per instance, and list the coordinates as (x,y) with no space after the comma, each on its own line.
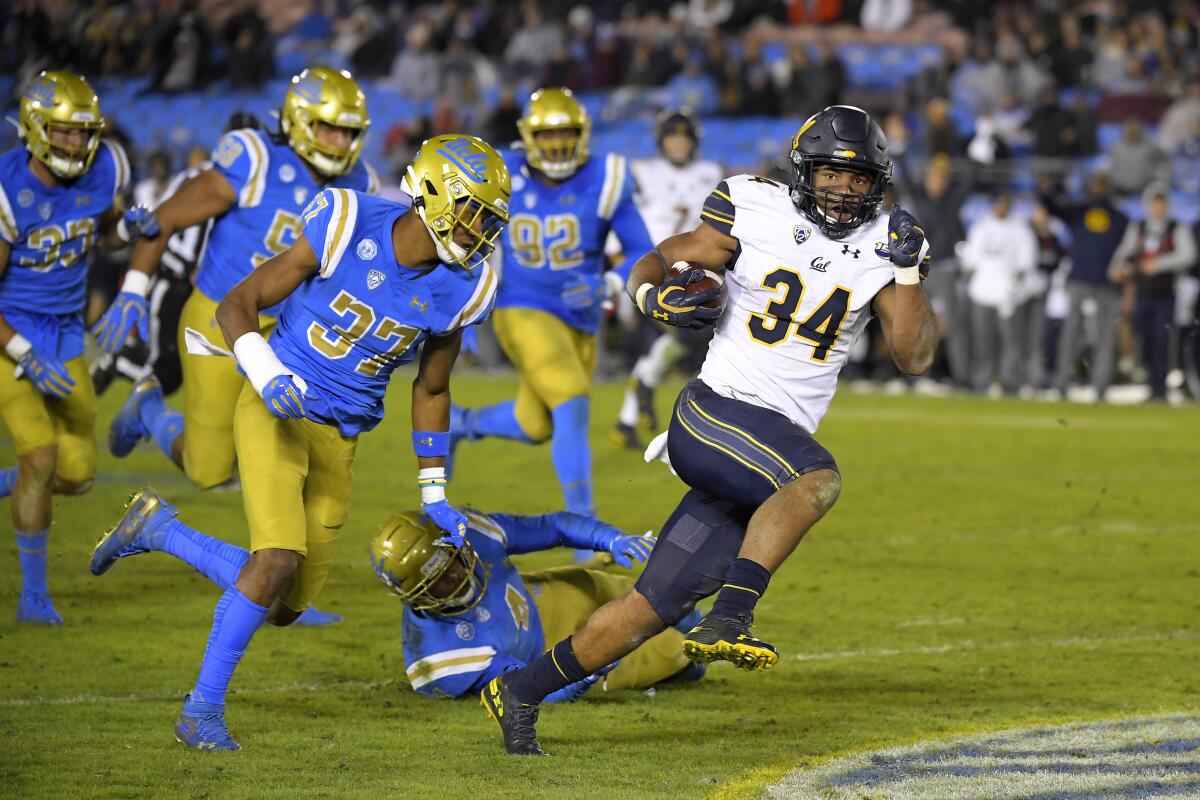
(60,100)
(555,109)
(323,94)
(404,556)
(458,180)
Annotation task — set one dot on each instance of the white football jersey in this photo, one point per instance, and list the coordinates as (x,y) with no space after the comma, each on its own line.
(796,300)
(670,197)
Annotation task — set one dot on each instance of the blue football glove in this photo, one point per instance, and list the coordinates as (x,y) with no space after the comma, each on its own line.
(142,221)
(626,549)
(125,312)
(673,304)
(906,238)
(450,520)
(284,397)
(47,373)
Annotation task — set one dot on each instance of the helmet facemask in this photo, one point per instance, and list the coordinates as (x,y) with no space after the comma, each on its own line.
(480,224)
(60,101)
(558,157)
(64,160)
(430,593)
(327,159)
(835,213)
(324,95)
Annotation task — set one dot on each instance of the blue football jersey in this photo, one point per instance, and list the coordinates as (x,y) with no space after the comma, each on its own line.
(51,230)
(363,314)
(554,244)
(455,655)
(273,185)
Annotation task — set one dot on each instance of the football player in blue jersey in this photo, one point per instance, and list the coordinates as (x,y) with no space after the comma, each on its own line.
(367,282)
(564,205)
(255,191)
(469,615)
(59,193)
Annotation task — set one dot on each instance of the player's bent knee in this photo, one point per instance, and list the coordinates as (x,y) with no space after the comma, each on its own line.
(38,465)
(280,615)
(73,488)
(825,486)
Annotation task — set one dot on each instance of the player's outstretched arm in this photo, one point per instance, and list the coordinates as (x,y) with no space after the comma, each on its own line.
(431,433)
(203,197)
(905,315)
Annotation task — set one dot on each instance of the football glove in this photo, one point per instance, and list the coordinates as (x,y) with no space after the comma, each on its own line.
(626,548)
(47,373)
(284,397)
(673,304)
(142,221)
(127,311)
(908,248)
(450,520)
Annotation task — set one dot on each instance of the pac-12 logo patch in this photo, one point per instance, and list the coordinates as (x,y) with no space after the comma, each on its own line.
(881,250)
(367,249)
(287,173)
(300,195)
(465,631)
(375,279)
(801,233)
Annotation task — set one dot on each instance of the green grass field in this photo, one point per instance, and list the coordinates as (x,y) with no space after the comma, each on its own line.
(989,564)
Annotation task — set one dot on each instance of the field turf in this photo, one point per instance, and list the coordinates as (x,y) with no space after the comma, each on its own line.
(989,565)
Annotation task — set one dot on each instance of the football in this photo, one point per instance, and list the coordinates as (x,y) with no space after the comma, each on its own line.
(711,279)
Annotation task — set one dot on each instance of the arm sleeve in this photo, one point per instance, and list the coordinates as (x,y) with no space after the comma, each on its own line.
(718,209)
(631,230)
(241,157)
(527,534)
(1183,256)
(329,221)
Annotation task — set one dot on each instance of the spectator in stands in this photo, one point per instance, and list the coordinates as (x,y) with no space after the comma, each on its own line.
(1001,258)
(940,195)
(251,62)
(1181,120)
(886,16)
(758,89)
(1096,227)
(534,44)
(182,49)
(1152,254)
(1070,58)
(374,53)
(1051,127)
(416,72)
(501,127)
(1049,232)
(936,134)
(693,88)
(1135,160)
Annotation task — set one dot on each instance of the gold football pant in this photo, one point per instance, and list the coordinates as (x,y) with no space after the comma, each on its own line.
(36,421)
(296,478)
(567,596)
(556,363)
(211,387)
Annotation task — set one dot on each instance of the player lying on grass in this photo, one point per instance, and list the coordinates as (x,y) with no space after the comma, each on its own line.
(367,283)
(806,266)
(469,615)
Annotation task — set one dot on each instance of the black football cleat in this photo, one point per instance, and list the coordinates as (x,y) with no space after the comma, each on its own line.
(728,639)
(516,719)
(645,402)
(625,437)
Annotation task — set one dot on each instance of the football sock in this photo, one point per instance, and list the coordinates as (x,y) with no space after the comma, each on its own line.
(629,406)
(651,367)
(8,479)
(744,584)
(234,623)
(499,420)
(216,560)
(31,552)
(549,672)
(686,624)
(163,422)
(572,455)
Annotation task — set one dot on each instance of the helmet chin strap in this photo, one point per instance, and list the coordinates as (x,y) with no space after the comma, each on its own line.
(452,254)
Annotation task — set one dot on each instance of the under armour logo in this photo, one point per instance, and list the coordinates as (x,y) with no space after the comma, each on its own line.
(846,251)
(419,305)
(660,315)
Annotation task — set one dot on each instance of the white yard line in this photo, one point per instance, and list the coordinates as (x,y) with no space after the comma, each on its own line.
(177,694)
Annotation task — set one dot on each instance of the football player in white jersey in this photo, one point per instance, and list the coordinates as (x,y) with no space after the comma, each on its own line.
(805,267)
(671,191)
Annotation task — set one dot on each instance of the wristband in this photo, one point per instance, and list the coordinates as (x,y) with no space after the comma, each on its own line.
(431,444)
(17,347)
(432,481)
(639,297)
(257,360)
(136,282)
(908,276)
